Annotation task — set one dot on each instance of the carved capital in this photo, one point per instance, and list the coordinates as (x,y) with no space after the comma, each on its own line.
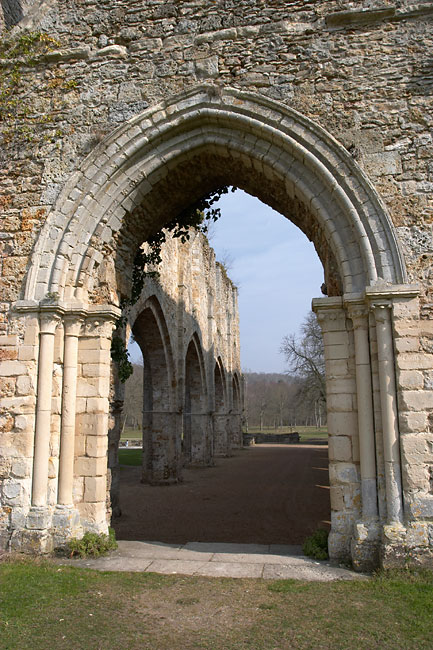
(382,311)
(359,316)
(73,324)
(49,322)
(101,320)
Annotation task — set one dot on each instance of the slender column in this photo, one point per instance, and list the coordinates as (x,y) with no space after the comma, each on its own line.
(72,326)
(388,400)
(49,322)
(359,316)
(342,424)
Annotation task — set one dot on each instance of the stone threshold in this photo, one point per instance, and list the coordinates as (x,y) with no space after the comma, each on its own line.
(273,561)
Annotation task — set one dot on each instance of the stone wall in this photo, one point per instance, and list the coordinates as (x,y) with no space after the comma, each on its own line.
(122,114)
(183,304)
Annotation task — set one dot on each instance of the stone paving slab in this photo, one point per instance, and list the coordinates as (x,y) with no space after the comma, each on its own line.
(221,547)
(309,571)
(159,551)
(216,560)
(231,570)
(259,558)
(185,567)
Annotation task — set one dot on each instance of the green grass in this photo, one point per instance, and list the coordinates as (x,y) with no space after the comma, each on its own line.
(130,456)
(305,433)
(131,434)
(43,605)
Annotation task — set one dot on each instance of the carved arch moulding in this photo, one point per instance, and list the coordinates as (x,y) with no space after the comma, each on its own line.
(192,143)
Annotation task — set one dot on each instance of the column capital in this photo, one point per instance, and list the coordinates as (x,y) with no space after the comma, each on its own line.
(381,310)
(329,311)
(73,323)
(101,320)
(49,320)
(358,313)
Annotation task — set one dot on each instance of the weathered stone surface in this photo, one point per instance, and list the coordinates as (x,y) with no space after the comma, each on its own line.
(135,110)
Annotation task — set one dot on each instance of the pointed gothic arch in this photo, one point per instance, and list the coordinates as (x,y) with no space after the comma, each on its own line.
(197,441)
(221,429)
(155,165)
(161,449)
(305,174)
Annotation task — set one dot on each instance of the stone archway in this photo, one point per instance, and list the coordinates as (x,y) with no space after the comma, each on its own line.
(196,430)
(221,429)
(149,169)
(236,415)
(161,451)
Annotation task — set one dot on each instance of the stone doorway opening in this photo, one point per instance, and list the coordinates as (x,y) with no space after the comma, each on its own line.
(250,509)
(138,179)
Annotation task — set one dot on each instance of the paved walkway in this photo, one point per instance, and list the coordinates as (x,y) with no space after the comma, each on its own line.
(216,560)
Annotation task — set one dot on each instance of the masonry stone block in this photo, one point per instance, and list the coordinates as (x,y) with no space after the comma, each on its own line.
(411,379)
(414,361)
(340,448)
(413,422)
(12,368)
(340,402)
(94,488)
(343,473)
(96,446)
(342,423)
(90,466)
(407,344)
(93,516)
(416,400)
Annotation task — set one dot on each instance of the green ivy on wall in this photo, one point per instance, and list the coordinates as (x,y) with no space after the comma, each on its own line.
(197,216)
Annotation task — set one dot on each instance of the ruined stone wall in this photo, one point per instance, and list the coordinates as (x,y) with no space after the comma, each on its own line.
(197,300)
(363,74)
(73,95)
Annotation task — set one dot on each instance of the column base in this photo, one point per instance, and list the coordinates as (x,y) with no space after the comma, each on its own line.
(33,542)
(394,551)
(339,547)
(365,546)
(168,476)
(38,518)
(65,524)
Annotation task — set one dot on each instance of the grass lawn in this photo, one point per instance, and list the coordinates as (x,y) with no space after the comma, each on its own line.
(131,434)
(305,433)
(44,606)
(130,456)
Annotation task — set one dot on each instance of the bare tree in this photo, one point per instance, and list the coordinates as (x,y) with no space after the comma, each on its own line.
(305,355)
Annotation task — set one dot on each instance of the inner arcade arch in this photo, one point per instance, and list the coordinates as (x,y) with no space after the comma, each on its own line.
(161,452)
(156,164)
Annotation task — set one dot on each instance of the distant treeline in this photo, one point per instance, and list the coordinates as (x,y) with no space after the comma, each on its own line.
(272,400)
(279,400)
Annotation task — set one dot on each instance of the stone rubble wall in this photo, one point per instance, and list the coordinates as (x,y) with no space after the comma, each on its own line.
(114,62)
(360,70)
(197,299)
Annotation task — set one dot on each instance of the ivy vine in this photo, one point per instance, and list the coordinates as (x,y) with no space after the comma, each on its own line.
(197,216)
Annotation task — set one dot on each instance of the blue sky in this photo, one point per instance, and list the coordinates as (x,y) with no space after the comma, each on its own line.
(276,270)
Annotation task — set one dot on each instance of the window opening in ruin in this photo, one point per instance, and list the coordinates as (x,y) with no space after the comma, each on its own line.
(216,439)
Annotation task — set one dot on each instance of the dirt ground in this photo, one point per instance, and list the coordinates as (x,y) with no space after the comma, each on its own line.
(267,494)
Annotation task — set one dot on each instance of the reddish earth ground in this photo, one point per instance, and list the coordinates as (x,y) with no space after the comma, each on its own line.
(267,494)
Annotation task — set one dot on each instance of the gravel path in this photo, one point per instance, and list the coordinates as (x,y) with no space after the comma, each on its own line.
(267,494)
